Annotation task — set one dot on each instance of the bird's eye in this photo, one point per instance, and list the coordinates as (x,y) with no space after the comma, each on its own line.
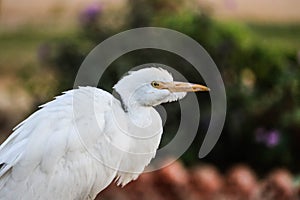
(155,84)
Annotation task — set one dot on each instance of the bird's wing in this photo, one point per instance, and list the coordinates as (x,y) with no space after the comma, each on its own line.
(50,133)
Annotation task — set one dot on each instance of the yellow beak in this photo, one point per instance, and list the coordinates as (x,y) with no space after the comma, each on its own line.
(183,87)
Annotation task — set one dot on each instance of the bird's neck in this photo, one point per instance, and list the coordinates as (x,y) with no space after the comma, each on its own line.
(139,115)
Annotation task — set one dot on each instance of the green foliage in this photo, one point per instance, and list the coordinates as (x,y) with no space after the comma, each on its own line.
(262,81)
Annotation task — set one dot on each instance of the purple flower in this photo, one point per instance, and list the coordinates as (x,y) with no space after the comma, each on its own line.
(270,138)
(273,138)
(90,14)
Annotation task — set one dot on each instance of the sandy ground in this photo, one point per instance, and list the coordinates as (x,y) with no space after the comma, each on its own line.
(16,12)
(280,11)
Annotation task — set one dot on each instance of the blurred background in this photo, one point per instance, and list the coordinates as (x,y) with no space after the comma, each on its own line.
(255,44)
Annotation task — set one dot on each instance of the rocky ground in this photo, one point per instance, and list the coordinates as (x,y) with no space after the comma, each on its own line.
(205,182)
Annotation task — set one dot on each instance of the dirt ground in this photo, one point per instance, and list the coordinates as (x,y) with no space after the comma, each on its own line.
(15,12)
(274,11)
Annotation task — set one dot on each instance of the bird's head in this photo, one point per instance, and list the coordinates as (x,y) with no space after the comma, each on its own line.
(151,87)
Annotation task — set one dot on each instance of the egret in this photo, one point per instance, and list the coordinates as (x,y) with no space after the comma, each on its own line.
(67,151)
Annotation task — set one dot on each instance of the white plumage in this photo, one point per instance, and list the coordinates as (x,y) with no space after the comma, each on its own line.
(77,144)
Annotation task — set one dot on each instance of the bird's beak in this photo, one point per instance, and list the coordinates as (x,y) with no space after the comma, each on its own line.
(183,87)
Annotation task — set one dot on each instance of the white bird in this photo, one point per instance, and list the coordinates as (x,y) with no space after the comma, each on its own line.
(77,144)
